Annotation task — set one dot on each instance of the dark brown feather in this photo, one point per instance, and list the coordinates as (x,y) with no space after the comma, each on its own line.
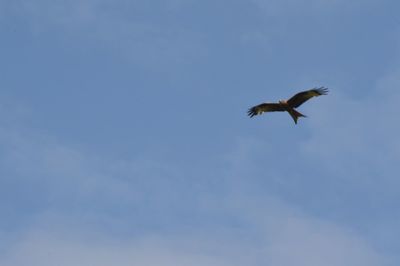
(304,96)
(265,107)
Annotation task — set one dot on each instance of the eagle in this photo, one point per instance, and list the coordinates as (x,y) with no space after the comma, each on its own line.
(288,105)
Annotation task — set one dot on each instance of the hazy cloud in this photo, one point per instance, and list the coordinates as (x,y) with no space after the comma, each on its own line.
(120,27)
(339,139)
(232,227)
(281,237)
(323,192)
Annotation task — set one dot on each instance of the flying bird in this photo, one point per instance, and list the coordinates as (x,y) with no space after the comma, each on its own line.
(288,105)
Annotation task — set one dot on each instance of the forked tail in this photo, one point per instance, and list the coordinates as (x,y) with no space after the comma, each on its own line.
(295,114)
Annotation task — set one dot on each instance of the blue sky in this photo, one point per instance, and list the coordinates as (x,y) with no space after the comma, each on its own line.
(124,138)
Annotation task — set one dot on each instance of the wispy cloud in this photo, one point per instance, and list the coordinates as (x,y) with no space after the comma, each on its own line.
(319,193)
(287,8)
(120,27)
(275,235)
(350,134)
(232,227)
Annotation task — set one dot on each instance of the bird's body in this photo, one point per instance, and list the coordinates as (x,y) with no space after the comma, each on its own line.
(288,105)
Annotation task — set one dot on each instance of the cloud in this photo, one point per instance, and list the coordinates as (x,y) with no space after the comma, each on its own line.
(288,8)
(119,27)
(306,243)
(73,206)
(94,209)
(44,249)
(357,136)
(58,178)
(282,237)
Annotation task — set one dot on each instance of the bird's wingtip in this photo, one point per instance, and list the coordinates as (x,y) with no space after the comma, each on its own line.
(322,90)
(251,112)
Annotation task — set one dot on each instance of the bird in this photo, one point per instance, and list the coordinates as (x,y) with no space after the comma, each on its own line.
(288,105)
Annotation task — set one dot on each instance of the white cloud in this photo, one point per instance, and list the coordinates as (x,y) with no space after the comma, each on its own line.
(303,242)
(287,8)
(278,237)
(118,26)
(358,137)
(46,249)
(233,227)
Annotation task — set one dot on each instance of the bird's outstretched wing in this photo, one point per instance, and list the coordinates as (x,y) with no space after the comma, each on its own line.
(264,107)
(304,96)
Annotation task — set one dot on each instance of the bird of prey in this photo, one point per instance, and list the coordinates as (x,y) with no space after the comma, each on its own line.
(288,105)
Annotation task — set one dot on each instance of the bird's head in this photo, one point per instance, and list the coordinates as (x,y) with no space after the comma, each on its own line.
(282,101)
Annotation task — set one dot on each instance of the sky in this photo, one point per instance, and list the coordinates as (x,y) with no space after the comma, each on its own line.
(124,138)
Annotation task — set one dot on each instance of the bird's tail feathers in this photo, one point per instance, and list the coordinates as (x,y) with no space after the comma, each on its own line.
(295,115)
